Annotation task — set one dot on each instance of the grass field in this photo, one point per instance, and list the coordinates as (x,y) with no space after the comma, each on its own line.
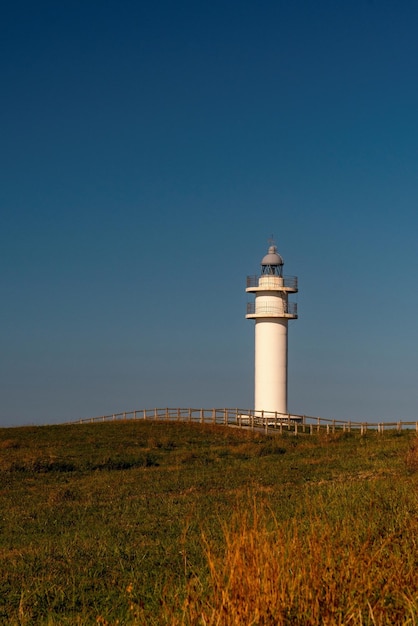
(154,523)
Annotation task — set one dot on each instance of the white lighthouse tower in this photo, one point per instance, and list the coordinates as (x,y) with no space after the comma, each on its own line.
(271,312)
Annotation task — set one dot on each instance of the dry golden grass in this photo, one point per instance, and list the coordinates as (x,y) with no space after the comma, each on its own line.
(322,573)
(411,458)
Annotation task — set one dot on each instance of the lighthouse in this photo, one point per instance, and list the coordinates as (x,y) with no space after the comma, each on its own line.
(271,311)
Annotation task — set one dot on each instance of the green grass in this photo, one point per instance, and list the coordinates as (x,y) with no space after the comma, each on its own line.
(122,522)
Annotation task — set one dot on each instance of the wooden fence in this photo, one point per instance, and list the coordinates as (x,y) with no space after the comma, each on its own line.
(257,420)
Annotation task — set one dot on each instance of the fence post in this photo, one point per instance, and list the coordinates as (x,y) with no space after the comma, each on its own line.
(225,417)
(311,428)
(333,426)
(318,424)
(202,417)
(155,414)
(296,428)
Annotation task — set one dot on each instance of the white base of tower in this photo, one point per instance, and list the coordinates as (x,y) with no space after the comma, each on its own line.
(271,365)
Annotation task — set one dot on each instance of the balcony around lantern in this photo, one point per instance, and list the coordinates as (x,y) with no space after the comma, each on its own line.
(271,310)
(272,283)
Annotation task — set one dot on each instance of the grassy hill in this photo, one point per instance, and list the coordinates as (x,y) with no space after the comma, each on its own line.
(154,523)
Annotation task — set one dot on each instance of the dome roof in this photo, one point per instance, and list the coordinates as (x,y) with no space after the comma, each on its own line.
(272,257)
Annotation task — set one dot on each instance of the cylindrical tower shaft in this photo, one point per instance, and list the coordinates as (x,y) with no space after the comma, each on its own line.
(270,365)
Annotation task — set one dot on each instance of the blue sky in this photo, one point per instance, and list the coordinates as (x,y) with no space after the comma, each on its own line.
(149,151)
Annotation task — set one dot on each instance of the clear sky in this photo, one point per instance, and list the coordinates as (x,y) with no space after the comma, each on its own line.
(148,152)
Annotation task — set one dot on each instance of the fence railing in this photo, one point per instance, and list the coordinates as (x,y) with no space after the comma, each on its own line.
(269,422)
